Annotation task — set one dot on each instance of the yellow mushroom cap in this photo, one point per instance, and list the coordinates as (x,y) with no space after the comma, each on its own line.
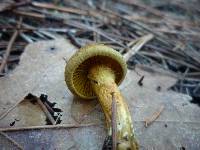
(77,68)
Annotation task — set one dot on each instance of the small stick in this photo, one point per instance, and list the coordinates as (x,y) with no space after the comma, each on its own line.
(137,45)
(60,126)
(29,14)
(73,40)
(11,140)
(114,123)
(140,82)
(58,117)
(16,5)
(196,88)
(59,8)
(49,108)
(45,110)
(155,115)
(9,47)
(43,107)
(10,109)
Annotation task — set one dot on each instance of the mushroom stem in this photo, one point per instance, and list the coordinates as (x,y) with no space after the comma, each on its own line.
(103,84)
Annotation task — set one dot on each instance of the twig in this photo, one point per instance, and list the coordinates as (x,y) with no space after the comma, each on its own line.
(45,110)
(11,140)
(48,107)
(182,62)
(93,29)
(196,88)
(10,109)
(15,5)
(58,117)
(155,115)
(59,8)
(114,123)
(73,40)
(59,126)
(158,36)
(137,45)
(30,14)
(140,82)
(183,78)
(9,47)
(43,107)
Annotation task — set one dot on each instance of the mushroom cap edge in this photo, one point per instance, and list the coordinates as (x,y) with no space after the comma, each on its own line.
(85,53)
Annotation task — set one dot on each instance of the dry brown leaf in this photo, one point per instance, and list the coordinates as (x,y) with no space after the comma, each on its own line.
(41,70)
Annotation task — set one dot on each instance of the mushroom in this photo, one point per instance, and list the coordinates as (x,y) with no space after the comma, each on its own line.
(96,70)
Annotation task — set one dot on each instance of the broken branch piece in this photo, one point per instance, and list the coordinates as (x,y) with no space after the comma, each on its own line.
(58,126)
(155,115)
(45,110)
(95,71)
